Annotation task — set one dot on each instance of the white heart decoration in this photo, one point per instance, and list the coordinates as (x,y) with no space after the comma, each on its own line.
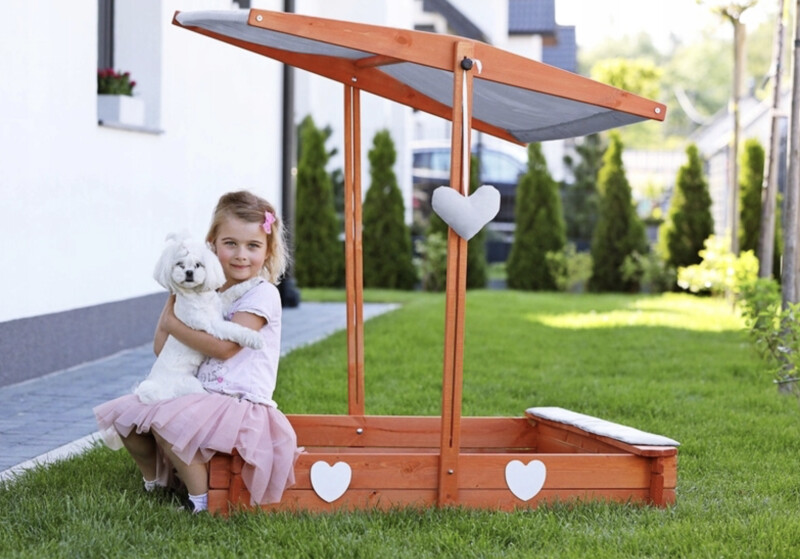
(525,481)
(330,482)
(466,216)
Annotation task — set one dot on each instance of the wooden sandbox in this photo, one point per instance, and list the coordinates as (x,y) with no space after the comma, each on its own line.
(395,463)
(359,461)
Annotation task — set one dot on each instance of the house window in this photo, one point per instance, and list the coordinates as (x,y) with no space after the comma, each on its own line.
(129,40)
(105,34)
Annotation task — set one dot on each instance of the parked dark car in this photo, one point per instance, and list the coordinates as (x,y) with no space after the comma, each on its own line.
(499,168)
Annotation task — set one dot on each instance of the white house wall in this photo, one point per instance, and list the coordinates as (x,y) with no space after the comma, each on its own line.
(324,98)
(85,207)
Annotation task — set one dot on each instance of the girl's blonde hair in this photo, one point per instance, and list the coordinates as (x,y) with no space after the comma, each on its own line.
(248,207)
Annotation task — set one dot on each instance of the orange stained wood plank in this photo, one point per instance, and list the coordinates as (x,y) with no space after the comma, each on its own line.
(670,464)
(357,499)
(368,78)
(564,471)
(378,60)
(552,439)
(496,499)
(639,450)
(376,471)
(455,296)
(387,499)
(408,450)
(433,49)
(219,471)
(354,252)
(409,431)
(218,501)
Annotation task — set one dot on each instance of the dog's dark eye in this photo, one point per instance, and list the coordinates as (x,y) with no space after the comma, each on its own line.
(199,265)
(180,265)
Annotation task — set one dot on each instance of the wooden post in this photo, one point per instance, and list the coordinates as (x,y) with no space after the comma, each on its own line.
(766,236)
(353,251)
(456,287)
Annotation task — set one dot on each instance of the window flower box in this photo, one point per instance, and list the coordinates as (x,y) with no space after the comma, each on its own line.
(122,109)
(115,101)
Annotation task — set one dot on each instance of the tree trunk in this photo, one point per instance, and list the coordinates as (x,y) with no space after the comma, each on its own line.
(739,35)
(766,241)
(790,230)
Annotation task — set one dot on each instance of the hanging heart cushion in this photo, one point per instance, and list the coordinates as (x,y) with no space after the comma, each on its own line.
(466,216)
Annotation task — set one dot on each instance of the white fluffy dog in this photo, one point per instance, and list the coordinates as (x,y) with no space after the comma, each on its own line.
(191,271)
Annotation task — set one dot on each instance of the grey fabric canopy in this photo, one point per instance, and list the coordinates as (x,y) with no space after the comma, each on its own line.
(513,97)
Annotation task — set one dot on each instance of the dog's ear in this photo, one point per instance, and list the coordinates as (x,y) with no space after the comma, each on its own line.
(215,276)
(163,269)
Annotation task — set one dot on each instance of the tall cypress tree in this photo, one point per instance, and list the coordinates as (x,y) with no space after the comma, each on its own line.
(318,255)
(750,182)
(581,200)
(477,267)
(619,231)
(387,239)
(539,226)
(689,222)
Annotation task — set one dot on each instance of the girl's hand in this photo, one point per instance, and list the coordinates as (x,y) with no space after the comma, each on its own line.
(165,325)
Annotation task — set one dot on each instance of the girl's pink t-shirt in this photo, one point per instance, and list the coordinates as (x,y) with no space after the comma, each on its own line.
(251,373)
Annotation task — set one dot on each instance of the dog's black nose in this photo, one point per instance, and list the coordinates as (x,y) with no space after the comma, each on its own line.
(189,275)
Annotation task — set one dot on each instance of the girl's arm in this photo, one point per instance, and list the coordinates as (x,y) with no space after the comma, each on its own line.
(201,341)
(160,336)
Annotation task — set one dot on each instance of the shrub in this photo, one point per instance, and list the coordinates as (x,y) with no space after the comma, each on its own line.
(477,267)
(110,82)
(581,200)
(750,187)
(318,254)
(689,222)
(570,269)
(539,226)
(775,332)
(720,272)
(387,240)
(433,262)
(619,230)
(648,270)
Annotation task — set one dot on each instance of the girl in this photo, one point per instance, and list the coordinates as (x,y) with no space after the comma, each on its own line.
(237,410)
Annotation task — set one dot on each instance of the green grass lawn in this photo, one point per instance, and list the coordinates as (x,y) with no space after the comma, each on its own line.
(672,364)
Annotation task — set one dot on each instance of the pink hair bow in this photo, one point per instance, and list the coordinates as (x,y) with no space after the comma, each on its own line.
(269,219)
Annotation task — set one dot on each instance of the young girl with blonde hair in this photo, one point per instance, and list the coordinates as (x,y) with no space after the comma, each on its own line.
(237,410)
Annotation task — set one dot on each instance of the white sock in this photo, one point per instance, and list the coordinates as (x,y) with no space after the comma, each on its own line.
(200,502)
(149,485)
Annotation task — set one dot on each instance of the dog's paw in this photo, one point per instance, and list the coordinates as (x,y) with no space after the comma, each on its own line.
(252,340)
(147,393)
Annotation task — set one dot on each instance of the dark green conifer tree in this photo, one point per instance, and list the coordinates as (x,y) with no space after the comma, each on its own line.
(750,186)
(387,239)
(689,222)
(581,199)
(619,231)
(318,254)
(539,226)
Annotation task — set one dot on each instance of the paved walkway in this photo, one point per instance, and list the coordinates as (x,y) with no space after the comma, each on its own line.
(49,418)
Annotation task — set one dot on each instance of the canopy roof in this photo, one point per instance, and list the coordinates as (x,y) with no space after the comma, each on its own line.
(514,98)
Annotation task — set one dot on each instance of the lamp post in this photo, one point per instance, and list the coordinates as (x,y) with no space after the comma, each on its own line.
(732,11)
(290,295)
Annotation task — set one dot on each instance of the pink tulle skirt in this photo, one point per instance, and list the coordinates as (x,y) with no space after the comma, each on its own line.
(199,425)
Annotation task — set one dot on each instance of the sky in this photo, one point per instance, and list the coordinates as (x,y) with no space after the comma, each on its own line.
(596,20)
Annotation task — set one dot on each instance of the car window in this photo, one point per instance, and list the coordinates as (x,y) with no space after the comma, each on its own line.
(499,167)
(496,167)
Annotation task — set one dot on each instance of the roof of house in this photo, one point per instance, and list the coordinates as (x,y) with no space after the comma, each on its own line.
(532,17)
(564,54)
(459,23)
